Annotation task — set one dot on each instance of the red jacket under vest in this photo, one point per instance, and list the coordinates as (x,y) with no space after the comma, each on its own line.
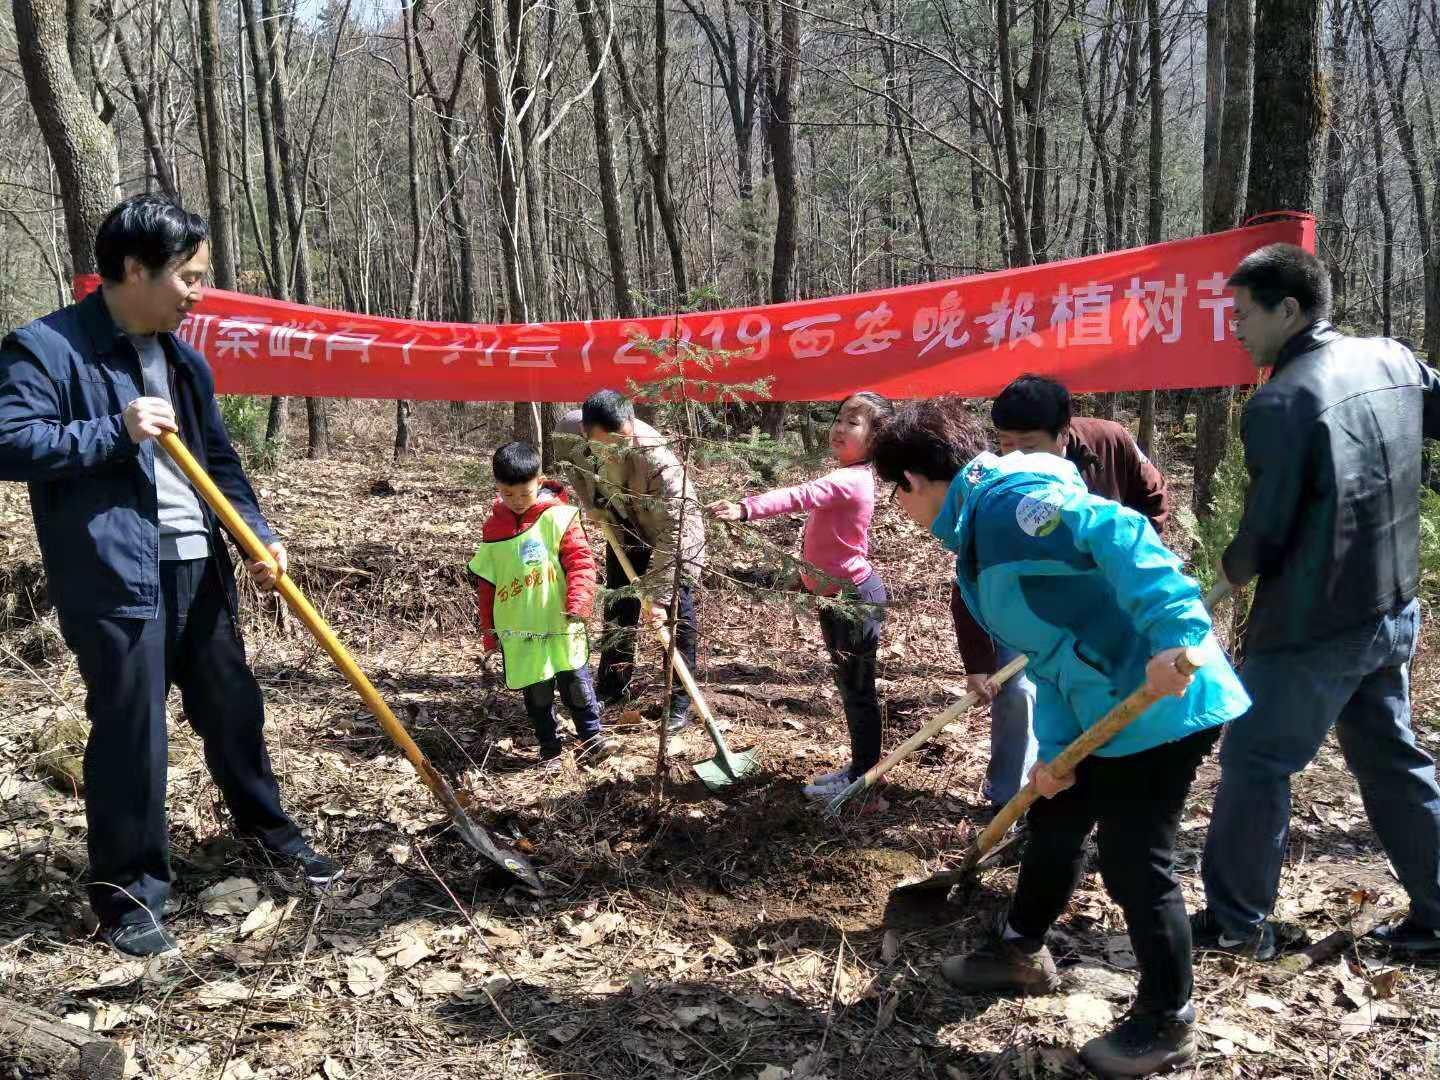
(576,558)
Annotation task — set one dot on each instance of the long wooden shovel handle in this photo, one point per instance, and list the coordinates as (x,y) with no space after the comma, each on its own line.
(956,709)
(1090,740)
(682,670)
(250,543)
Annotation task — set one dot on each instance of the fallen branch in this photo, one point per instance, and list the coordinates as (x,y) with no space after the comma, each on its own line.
(37,1039)
(1328,948)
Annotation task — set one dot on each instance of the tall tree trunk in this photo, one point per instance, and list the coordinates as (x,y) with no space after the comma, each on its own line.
(417,227)
(782,58)
(605,160)
(1288,117)
(276,265)
(1156,217)
(1405,136)
(1332,214)
(1021,253)
(217,145)
(144,106)
(80,144)
(317,417)
(1382,199)
(1212,407)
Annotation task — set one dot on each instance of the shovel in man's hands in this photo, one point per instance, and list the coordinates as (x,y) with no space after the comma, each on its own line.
(474,834)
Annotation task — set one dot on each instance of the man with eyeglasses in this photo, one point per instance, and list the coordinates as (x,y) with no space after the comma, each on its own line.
(136,564)
(1331,534)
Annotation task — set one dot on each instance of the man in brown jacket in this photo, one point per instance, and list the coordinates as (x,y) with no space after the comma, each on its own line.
(1032,415)
(625,473)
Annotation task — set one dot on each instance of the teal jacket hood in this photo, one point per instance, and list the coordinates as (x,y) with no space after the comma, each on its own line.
(1086,590)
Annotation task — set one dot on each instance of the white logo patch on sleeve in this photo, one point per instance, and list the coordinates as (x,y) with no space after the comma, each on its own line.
(1037,516)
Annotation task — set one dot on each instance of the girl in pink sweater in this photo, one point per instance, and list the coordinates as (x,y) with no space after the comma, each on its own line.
(837,546)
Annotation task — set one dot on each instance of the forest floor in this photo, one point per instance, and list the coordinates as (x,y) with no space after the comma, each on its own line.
(736,937)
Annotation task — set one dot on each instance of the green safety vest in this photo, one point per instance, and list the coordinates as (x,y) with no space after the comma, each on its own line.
(536,638)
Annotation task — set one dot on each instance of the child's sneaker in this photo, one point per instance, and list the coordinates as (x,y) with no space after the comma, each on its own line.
(596,749)
(828,785)
(550,756)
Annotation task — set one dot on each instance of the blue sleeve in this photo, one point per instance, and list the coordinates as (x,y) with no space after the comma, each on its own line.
(1149,584)
(35,445)
(225,469)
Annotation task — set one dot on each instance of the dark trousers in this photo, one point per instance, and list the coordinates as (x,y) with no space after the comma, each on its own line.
(853,637)
(129,666)
(1137,801)
(622,615)
(578,694)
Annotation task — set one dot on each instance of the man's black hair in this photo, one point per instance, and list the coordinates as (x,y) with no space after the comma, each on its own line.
(1032,403)
(1279,270)
(150,228)
(516,463)
(606,409)
(934,439)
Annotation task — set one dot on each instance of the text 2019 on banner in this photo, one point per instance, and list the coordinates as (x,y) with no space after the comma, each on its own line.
(1146,318)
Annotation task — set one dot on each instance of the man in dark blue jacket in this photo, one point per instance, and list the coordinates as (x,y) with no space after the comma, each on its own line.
(135,562)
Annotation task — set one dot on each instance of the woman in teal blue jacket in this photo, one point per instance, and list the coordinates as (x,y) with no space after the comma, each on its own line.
(1084,588)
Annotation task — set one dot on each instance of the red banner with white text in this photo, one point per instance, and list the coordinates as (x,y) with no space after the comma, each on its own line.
(1154,317)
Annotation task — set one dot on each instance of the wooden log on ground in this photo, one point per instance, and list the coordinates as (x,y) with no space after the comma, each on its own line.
(45,1046)
(1331,946)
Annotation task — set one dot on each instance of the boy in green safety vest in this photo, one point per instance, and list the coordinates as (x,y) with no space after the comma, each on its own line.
(534,576)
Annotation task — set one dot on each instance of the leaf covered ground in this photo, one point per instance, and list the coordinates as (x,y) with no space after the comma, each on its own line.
(735,937)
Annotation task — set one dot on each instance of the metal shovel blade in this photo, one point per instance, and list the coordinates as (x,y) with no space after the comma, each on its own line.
(498,852)
(725,768)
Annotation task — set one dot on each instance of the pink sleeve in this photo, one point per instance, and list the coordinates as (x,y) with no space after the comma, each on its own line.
(839,486)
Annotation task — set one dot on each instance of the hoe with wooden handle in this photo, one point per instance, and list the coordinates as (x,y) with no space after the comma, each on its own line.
(919,739)
(497,852)
(1090,740)
(726,766)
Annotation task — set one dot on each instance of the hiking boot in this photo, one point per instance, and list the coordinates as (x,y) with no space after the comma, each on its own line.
(143,939)
(828,785)
(596,749)
(550,751)
(1262,944)
(1017,966)
(1143,1043)
(1408,938)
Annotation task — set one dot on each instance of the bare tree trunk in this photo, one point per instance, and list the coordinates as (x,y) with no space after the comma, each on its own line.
(316,415)
(605,161)
(1021,253)
(143,105)
(1156,217)
(1382,198)
(80,144)
(1212,407)
(276,263)
(1288,118)
(1332,215)
(217,145)
(417,227)
(1405,136)
(782,57)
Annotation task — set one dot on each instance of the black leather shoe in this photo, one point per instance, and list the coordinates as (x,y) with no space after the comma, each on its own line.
(147,938)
